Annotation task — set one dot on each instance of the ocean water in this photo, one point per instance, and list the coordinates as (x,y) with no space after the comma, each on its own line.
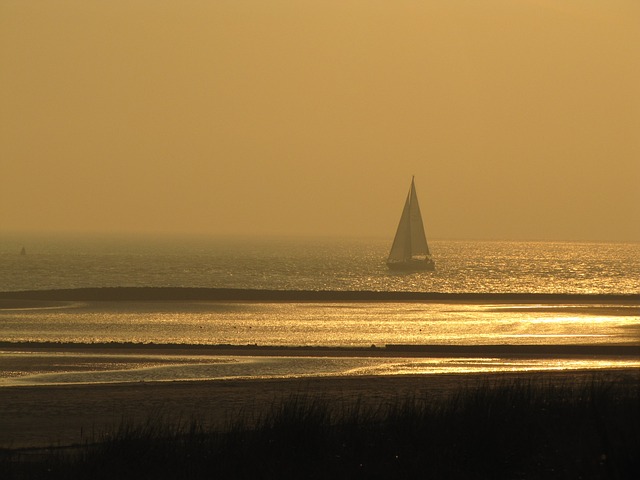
(315,264)
(307,264)
(324,324)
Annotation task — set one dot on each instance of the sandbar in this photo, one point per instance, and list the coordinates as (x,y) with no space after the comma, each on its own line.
(258,295)
(41,416)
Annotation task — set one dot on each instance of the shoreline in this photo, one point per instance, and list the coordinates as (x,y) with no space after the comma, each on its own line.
(46,415)
(389,350)
(13,299)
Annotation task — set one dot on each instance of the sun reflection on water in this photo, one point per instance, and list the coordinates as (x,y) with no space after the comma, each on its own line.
(87,369)
(435,366)
(323,324)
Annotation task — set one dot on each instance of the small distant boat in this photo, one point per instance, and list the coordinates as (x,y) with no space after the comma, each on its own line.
(410,250)
(23,251)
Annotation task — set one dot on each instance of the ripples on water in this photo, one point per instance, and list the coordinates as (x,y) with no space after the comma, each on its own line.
(491,267)
(320,324)
(134,368)
(295,324)
(308,264)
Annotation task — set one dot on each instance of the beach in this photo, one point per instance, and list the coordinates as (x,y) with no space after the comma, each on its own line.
(39,416)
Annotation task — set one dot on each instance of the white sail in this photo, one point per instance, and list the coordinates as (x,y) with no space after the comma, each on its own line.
(410,243)
(401,248)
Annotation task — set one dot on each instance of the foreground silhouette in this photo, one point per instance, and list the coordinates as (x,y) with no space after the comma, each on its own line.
(518,429)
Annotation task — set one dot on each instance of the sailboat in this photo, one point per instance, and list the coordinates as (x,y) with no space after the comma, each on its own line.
(410,250)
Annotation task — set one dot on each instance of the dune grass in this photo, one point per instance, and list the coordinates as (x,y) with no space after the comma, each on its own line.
(516,429)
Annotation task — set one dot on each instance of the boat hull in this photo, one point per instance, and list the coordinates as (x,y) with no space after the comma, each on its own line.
(412,265)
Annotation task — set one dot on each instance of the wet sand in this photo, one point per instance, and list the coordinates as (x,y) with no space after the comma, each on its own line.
(390,350)
(249,295)
(44,415)
(40,416)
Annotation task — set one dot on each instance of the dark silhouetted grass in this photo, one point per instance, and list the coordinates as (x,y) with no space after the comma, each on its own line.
(513,430)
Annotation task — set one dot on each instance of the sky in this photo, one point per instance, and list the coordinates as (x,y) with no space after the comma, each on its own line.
(520,119)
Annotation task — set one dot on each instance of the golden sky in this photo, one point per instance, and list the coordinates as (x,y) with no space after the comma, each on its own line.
(520,119)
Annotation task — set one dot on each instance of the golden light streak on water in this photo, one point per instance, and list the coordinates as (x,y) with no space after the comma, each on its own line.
(318,264)
(72,368)
(322,324)
(493,365)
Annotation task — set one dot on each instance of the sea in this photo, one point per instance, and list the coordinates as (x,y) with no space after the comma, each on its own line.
(67,262)
(314,264)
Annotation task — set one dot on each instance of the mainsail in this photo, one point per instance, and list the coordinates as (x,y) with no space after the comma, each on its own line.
(410,242)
